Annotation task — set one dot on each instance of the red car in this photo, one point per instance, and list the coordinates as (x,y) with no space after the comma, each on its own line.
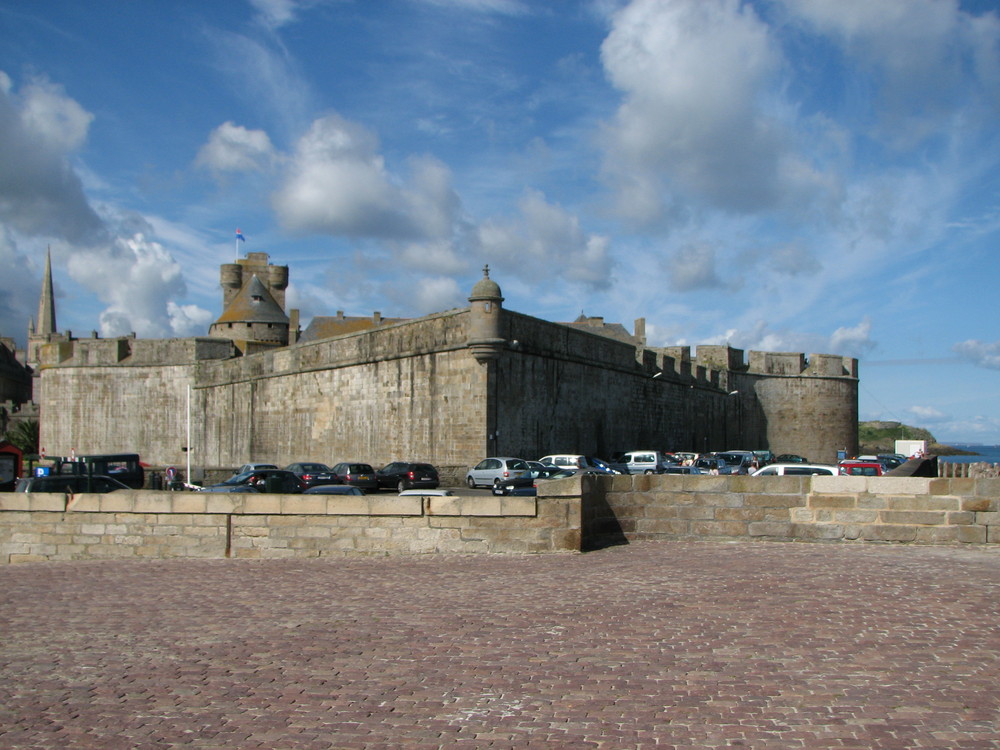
(862,468)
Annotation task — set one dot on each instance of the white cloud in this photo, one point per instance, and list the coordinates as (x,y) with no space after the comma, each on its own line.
(925,57)
(928,414)
(146,281)
(853,341)
(545,239)
(700,113)
(692,267)
(233,148)
(40,193)
(337,183)
(980,353)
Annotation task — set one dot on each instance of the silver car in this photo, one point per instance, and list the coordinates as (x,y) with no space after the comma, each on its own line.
(496,470)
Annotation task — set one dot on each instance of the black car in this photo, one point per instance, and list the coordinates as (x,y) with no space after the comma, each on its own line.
(405,475)
(70,484)
(358,474)
(260,480)
(312,474)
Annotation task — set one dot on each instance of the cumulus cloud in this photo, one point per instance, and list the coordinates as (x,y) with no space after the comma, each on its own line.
(854,341)
(542,238)
(40,193)
(338,184)
(924,56)
(147,280)
(697,120)
(234,148)
(980,353)
(692,267)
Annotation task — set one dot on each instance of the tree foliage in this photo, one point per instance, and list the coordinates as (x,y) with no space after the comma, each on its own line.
(23,435)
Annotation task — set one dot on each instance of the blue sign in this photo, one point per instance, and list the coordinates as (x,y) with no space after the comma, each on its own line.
(42,471)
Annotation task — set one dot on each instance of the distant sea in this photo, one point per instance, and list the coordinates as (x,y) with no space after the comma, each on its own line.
(989,454)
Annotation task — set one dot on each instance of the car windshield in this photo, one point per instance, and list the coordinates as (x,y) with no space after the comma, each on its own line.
(314,468)
(518,464)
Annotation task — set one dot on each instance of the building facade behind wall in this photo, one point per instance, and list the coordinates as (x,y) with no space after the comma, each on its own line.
(447,388)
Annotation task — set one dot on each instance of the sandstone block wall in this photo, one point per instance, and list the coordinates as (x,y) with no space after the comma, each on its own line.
(144,524)
(874,509)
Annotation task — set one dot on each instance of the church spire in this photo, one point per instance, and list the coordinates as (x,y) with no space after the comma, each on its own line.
(46,304)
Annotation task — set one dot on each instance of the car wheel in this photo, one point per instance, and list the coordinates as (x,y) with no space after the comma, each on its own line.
(401,486)
(471,482)
(648,471)
(496,483)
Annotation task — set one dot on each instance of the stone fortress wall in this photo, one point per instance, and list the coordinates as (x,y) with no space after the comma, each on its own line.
(448,388)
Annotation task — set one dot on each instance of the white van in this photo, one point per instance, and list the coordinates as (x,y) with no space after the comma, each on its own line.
(788,470)
(646,462)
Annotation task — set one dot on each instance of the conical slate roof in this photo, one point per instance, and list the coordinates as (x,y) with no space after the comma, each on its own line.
(253,304)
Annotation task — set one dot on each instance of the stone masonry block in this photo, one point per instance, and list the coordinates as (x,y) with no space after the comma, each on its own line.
(773,500)
(856,516)
(832,501)
(347,505)
(770,529)
(263,503)
(480,506)
(113,502)
(408,505)
(85,502)
(915,517)
(303,504)
(14,501)
(988,487)
(899,485)
(889,533)
(960,518)
(936,534)
(973,534)
(977,504)
(952,486)
(988,519)
(47,501)
(219,503)
(719,528)
(519,506)
(837,485)
(818,531)
(925,502)
(149,502)
(190,502)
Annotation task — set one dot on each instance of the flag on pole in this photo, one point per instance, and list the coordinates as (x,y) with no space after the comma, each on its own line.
(240,237)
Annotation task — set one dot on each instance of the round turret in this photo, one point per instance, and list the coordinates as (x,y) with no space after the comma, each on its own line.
(485,304)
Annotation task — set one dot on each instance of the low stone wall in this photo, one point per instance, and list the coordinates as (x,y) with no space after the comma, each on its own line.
(51,526)
(873,509)
(571,515)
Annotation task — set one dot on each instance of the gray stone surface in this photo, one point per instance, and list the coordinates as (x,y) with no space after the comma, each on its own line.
(655,644)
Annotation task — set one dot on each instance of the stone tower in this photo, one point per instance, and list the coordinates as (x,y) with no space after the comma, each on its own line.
(485,306)
(233,277)
(253,319)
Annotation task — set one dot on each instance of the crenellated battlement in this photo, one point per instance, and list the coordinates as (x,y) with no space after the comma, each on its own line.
(712,362)
(129,350)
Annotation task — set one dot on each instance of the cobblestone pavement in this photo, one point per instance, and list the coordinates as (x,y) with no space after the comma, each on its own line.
(676,645)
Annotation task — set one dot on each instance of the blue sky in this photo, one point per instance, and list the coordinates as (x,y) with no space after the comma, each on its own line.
(785,175)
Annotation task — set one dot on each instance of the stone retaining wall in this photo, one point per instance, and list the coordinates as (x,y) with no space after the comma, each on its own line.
(52,526)
(874,509)
(571,515)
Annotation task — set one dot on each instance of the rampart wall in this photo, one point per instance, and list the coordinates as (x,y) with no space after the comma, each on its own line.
(569,515)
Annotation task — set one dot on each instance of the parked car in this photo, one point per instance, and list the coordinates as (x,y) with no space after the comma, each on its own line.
(737,462)
(574,461)
(356,474)
(710,464)
(684,470)
(124,467)
(764,457)
(529,489)
(646,462)
(892,460)
(312,474)
(259,480)
(862,468)
(495,470)
(333,489)
(543,471)
(790,458)
(407,475)
(70,484)
(797,469)
(252,467)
